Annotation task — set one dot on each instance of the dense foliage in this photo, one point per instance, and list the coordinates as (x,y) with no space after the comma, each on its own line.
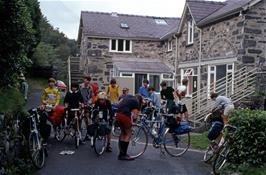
(19,35)
(53,50)
(248,148)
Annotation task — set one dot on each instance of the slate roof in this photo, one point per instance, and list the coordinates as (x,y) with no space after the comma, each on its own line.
(141,65)
(201,9)
(230,7)
(141,27)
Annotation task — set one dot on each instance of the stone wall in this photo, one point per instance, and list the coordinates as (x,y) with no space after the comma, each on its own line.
(254,53)
(96,60)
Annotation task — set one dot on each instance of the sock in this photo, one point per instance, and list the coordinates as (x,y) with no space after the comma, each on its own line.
(126,147)
(123,148)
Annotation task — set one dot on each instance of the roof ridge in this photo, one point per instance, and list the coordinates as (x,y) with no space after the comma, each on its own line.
(131,15)
(208,1)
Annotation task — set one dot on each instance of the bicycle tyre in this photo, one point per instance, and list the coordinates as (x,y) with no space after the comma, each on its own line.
(116,131)
(60,133)
(99,144)
(208,155)
(138,142)
(37,155)
(220,159)
(83,128)
(176,144)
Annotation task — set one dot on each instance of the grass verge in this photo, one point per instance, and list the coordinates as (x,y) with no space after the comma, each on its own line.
(199,141)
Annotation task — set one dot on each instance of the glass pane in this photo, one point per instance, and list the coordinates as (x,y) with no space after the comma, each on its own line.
(220,71)
(120,45)
(113,47)
(127,45)
(155,82)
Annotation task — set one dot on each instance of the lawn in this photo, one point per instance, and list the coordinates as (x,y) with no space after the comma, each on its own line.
(199,140)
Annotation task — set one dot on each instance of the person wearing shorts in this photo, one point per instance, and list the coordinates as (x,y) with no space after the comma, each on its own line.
(128,107)
(222,102)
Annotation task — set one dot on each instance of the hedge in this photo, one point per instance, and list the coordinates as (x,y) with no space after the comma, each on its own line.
(249,146)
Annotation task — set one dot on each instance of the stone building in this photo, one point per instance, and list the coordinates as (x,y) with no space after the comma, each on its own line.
(129,47)
(217,38)
(215,41)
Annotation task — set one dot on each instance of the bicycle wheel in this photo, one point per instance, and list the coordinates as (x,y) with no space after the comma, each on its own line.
(36,150)
(138,142)
(116,131)
(83,128)
(99,144)
(175,144)
(221,159)
(208,155)
(60,133)
(77,138)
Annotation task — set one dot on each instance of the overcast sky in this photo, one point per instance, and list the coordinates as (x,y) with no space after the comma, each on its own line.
(65,14)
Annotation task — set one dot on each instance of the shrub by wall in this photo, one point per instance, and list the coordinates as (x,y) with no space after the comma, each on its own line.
(249,147)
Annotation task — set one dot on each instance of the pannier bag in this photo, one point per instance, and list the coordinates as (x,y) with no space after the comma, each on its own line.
(57,115)
(183,128)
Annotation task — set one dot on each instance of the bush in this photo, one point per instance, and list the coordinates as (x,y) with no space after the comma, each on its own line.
(248,148)
(11,100)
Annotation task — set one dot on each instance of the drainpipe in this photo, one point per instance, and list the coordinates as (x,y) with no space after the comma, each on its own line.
(199,70)
(176,56)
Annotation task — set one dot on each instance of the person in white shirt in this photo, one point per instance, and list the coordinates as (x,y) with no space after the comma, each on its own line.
(179,94)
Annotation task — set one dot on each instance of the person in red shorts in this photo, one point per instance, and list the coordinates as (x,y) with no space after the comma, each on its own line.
(128,107)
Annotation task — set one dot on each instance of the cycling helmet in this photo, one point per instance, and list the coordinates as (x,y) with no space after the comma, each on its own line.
(102,95)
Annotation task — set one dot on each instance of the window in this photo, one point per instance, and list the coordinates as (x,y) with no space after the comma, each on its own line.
(169,45)
(160,21)
(190,32)
(126,74)
(120,45)
(124,26)
(154,81)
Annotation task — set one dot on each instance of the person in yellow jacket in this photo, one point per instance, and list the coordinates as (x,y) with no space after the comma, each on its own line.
(51,95)
(113,91)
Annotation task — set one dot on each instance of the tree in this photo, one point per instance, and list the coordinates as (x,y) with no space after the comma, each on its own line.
(18,36)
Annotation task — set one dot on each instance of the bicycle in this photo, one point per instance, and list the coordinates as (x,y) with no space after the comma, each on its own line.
(212,148)
(222,156)
(175,143)
(100,132)
(37,150)
(72,129)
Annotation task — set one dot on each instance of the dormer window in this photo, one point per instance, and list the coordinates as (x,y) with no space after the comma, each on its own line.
(160,21)
(124,26)
(120,45)
(170,45)
(190,32)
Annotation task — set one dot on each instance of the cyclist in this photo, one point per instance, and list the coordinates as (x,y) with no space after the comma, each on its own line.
(167,94)
(86,90)
(130,105)
(73,100)
(179,94)
(113,91)
(154,99)
(104,105)
(50,98)
(51,95)
(222,102)
(143,90)
(219,121)
(125,92)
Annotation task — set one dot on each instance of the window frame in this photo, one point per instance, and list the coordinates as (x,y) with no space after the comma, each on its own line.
(116,46)
(190,28)
(170,45)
